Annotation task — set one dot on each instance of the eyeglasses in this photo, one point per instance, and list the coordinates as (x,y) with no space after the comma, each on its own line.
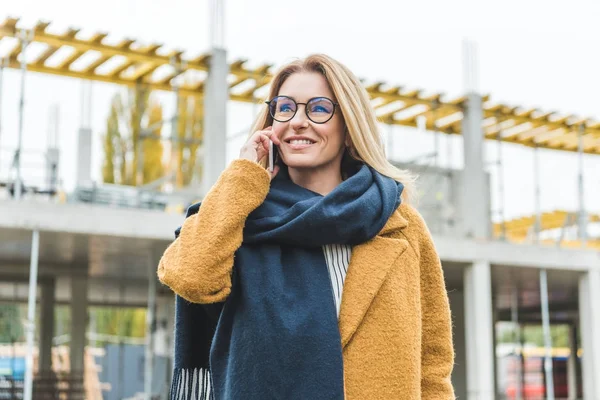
(318,109)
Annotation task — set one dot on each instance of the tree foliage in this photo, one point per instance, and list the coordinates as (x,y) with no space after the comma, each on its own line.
(11,325)
(133,138)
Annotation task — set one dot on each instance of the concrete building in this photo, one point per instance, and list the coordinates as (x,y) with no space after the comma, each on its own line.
(85,253)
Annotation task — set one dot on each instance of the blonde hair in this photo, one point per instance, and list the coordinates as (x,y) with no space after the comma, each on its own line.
(357,112)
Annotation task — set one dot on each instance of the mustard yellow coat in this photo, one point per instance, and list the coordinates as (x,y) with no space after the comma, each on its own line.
(394,320)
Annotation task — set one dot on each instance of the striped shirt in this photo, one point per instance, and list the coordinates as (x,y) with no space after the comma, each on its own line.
(338,258)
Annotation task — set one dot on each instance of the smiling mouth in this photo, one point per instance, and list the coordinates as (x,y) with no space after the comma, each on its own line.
(300,142)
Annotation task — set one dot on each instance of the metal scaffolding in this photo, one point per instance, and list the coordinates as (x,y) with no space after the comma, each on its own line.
(394,104)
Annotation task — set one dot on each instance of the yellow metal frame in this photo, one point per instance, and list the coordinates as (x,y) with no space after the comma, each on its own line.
(139,63)
(517,230)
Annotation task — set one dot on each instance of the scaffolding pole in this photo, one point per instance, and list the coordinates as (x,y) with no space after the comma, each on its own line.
(3,64)
(139,168)
(547,337)
(390,142)
(580,188)
(150,330)
(217,27)
(436,136)
(30,325)
(25,38)
(543,282)
(537,194)
(179,66)
(500,180)
(449,152)
(514,312)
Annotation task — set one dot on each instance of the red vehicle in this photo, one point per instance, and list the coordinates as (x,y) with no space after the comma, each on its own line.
(533,382)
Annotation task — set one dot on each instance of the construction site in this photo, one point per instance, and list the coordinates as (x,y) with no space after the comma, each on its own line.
(73,262)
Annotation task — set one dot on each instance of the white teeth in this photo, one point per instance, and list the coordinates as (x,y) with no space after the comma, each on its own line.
(300,142)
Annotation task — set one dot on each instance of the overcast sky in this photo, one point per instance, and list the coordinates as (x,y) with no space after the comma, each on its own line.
(541,54)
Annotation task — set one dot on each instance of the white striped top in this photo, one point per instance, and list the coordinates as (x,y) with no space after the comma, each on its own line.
(338,258)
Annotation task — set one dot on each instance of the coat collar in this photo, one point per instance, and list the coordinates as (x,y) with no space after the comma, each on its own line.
(369,266)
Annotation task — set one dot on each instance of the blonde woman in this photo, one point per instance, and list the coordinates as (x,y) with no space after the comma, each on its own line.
(316,279)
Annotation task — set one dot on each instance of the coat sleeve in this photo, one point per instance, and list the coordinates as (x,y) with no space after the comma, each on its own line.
(198,264)
(437,351)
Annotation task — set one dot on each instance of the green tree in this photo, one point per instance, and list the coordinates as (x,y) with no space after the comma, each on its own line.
(140,113)
(189,137)
(535,334)
(192,170)
(125,322)
(124,152)
(138,105)
(111,140)
(11,327)
(152,146)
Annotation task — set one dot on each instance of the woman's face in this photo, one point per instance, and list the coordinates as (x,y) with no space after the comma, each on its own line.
(305,145)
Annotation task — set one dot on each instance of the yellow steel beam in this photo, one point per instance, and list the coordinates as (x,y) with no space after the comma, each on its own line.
(527,127)
(142,71)
(431,116)
(520,227)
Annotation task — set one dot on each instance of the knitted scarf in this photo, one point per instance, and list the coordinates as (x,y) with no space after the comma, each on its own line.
(276,336)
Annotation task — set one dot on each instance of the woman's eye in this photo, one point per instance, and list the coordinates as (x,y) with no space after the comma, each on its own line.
(319,109)
(285,108)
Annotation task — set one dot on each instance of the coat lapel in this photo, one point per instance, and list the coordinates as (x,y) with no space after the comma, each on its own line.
(369,266)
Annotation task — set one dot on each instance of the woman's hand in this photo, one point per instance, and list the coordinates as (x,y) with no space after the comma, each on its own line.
(257,147)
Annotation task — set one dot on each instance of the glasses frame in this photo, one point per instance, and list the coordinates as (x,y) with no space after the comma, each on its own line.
(335,105)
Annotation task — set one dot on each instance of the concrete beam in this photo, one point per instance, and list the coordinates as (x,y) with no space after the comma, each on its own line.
(99,292)
(99,220)
(460,250)
(88,219)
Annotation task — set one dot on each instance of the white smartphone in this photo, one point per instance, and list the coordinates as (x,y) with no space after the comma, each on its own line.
(270,155)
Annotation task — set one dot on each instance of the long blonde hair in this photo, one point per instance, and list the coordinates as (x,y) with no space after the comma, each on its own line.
(358,114)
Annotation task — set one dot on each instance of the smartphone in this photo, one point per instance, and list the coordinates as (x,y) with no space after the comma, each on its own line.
(270,155)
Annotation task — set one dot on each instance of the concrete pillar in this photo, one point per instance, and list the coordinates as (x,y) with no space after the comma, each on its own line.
(216,95)
(163,343)
(572,363)
(459,373)
(48,299)
(84,136)
(165,325)
(79,286)
(150,333)
(84,156)
(474,220)
(494,340)
(479,331)
(589,299)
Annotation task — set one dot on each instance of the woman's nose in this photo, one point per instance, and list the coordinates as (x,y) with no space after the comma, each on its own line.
(300,120)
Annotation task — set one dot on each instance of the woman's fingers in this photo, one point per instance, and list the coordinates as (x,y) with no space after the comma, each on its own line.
(272,134)
(264,141)
(258,146)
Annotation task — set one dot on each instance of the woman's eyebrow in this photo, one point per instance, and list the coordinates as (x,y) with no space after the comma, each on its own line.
(311,97)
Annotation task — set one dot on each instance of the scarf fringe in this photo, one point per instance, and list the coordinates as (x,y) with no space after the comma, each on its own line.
(192,384)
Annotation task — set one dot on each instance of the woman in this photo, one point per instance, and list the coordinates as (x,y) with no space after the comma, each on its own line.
(316,280)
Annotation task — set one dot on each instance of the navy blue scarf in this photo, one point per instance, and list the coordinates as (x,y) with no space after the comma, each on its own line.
(276,336)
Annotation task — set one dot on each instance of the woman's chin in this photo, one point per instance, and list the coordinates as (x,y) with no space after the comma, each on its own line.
(299,162)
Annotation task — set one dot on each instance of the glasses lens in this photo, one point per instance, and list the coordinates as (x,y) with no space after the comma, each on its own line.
(320,109)
(282,108)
